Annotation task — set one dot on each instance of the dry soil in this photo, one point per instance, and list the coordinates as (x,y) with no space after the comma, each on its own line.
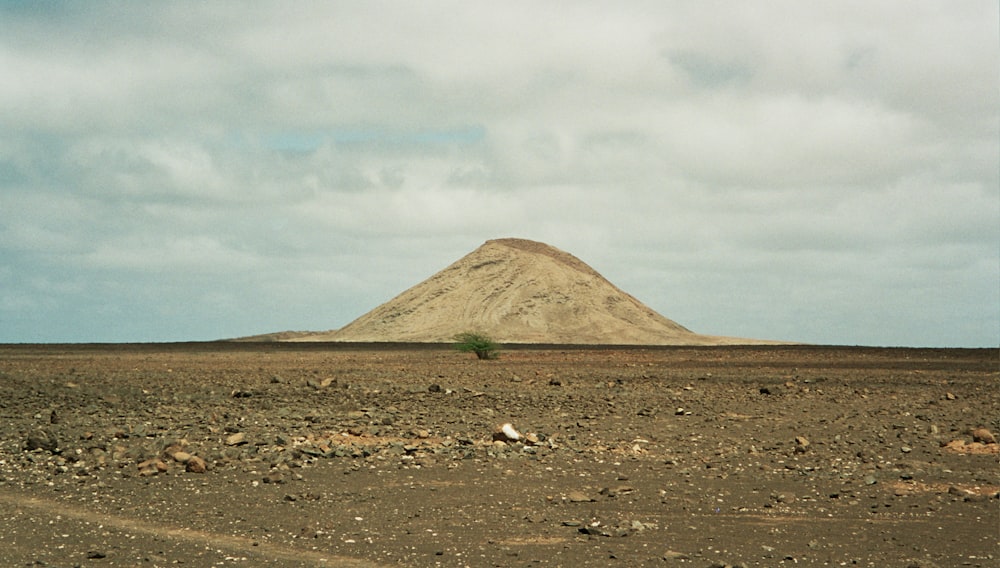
(242,454)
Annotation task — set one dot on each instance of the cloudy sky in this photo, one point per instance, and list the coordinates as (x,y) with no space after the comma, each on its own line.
(815,171)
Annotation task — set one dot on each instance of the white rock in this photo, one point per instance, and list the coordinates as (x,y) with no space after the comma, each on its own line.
(509,431)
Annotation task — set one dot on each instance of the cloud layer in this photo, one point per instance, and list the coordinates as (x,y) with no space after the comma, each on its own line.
(189,171)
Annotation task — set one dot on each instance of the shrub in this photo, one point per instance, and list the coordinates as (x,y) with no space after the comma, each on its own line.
(478,343)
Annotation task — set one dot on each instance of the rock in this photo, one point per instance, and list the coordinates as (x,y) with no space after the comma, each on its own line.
(983,436)
(435,388)
(41,439)
(536,517)
(616,491)
(674,555)
(194,464)
(506,433)
(801,444)
(958,491)
(172,449)
(639,526)
(594,531)
(96,554)
(236,439)
(579,497)
(181,456)
(783,497)
(151,467)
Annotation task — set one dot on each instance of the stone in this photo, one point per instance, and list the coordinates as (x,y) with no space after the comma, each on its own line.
(594,530)
(801,444)
(784,497)
(506,433)
(41,439)
(169,451)
(236,439)
(181,456)
(536,517)
(154,466)
(616,491)
(983,436)
(579,497)
(195,465)
(674,555)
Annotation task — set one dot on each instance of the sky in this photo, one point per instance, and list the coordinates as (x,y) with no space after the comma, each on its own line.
(823,172)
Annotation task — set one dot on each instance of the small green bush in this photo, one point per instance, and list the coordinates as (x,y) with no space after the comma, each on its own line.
(478,343)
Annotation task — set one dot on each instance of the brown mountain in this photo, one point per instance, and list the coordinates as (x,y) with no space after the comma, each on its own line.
(518,291)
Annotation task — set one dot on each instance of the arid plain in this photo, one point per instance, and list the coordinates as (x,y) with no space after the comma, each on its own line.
(317,454)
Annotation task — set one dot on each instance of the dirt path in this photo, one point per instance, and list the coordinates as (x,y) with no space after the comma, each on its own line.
(107,532)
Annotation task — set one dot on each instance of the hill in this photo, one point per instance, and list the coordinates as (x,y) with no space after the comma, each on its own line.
(518,291)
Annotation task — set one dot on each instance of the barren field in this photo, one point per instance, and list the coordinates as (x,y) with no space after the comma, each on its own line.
(285,455)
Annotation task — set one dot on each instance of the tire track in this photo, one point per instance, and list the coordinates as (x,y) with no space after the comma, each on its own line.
(237,544)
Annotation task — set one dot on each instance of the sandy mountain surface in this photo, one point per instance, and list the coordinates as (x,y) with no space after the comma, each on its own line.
(518,291)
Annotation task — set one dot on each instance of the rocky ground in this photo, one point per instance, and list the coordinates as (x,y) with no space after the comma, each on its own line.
(319,455)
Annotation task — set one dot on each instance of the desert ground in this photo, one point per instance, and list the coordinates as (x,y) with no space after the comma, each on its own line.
(271,454)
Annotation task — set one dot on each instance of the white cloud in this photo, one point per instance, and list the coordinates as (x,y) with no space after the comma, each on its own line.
(778,171)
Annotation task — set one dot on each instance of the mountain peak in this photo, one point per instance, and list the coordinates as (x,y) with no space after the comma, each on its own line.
(535,247)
